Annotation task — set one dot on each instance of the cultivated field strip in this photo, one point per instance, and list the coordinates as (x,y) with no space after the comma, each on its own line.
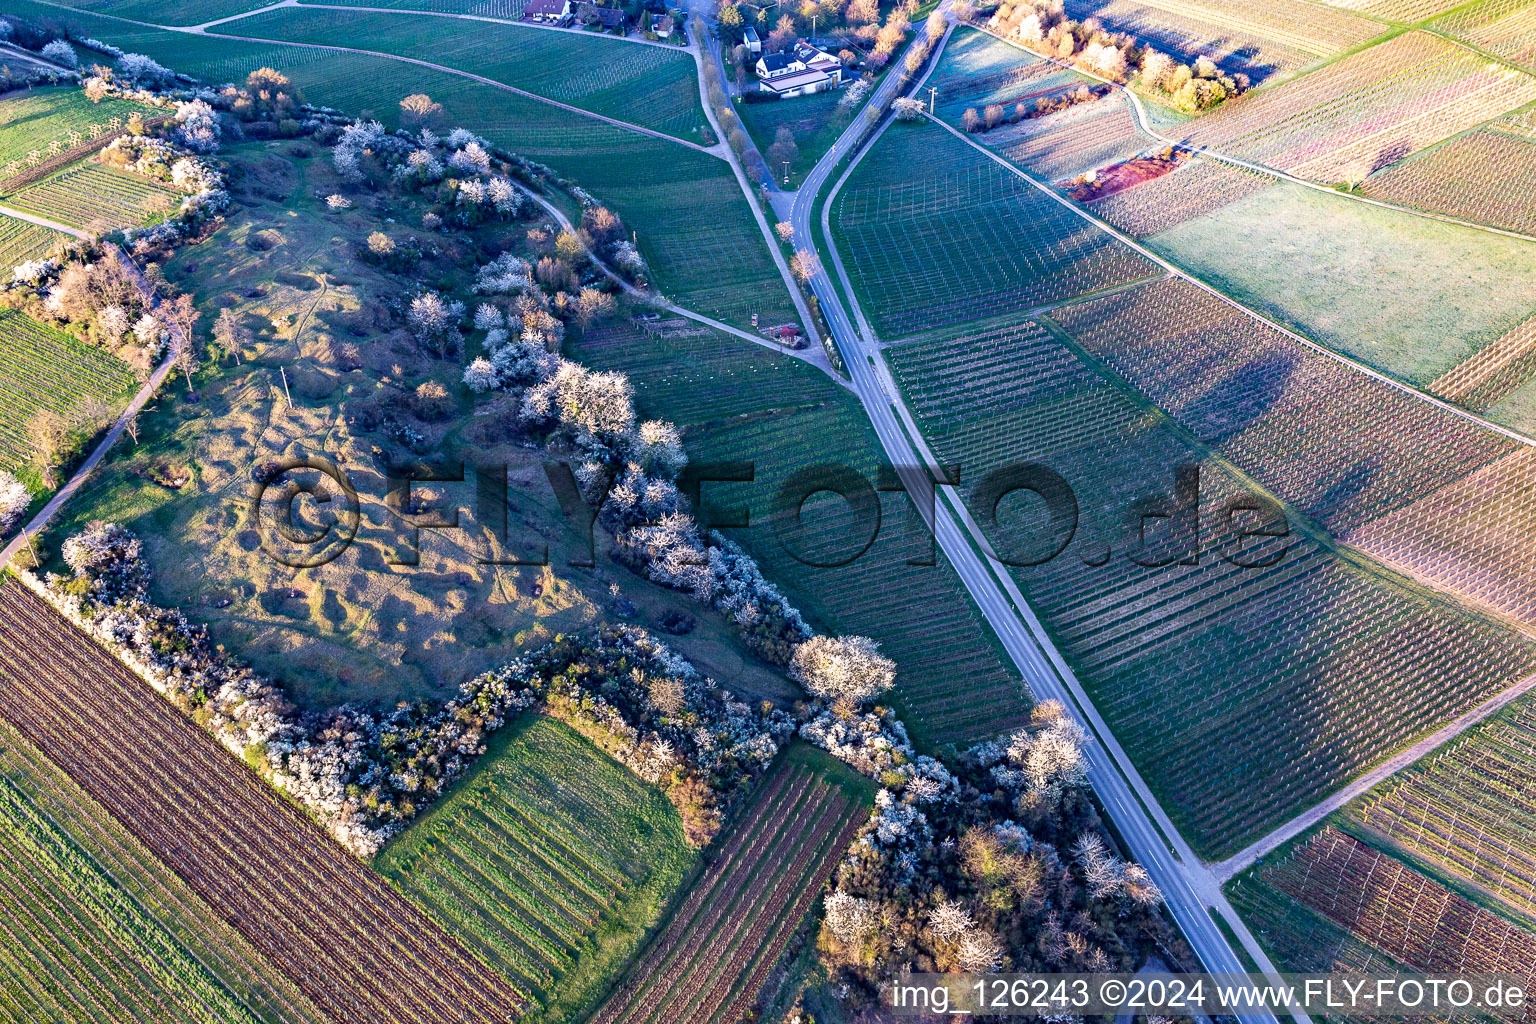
(1184,659)
(1479,382)
(539,852)
(653,86)
(937,233)
(85,951)
(89,195)
(1487,176)
(1369,110)
(1197,188)
(1469,808)
(1080,138)
(351,944)
(1417,487)
(21,241)
(1408,916)
(147,883)
(30,121)
(42,368)
(1410,11)
(1256,36)
(1504,27)
(710,962)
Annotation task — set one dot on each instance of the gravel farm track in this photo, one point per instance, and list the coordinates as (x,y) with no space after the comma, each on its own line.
(353,945)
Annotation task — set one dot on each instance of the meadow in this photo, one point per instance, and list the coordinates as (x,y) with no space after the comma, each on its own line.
(1182,658)
(723,941)
(977,69)
(30,120)
(1409,296)
(80,892)
(653,86)
(99,198)
(692,221)
(358,628)
(47,369)
(20,241)
(550,860)
(935,233)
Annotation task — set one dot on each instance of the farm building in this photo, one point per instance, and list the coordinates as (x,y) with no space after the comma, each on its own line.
(550,12)
(608,19)
(799,72)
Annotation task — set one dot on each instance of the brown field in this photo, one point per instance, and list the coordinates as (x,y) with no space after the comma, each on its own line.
(350,943)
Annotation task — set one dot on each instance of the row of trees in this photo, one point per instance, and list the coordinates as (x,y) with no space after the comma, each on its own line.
(1042,25)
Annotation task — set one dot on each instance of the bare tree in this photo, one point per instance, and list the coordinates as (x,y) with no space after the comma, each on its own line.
(182,315)
(131,425)
(230,335)
(50,437)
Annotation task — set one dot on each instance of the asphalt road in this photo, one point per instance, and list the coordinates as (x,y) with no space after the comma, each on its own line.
(1188,888)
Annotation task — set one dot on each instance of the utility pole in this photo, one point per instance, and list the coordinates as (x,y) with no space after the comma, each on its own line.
(285,384)
(933,95)
(786,172)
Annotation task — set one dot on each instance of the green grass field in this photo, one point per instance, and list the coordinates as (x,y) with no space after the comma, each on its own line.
(88,195)
(1409,296)
(20,241)
(44,368)
(653,86)
(934,233)
(97,931)
(30,120)
(785,416)
(813,120)
(550,861)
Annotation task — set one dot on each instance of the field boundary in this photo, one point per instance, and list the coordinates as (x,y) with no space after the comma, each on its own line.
(1146,128)
(1225,870)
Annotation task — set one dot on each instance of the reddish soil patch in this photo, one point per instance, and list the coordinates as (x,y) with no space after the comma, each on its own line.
(1119,177)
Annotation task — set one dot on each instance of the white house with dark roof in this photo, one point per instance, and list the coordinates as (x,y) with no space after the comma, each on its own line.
(798,72)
